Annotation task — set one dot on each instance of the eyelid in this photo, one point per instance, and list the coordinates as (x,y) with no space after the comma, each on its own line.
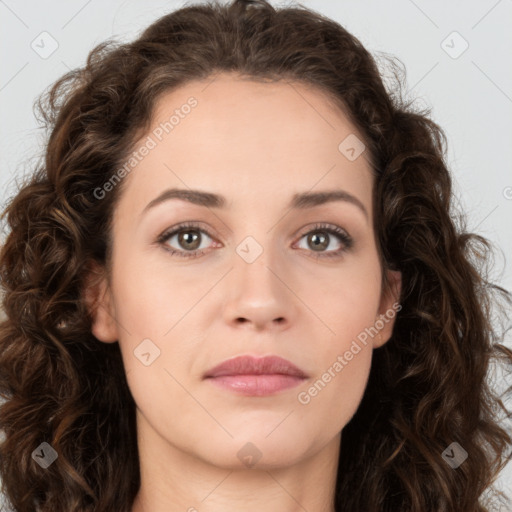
(183,226)
(334,230)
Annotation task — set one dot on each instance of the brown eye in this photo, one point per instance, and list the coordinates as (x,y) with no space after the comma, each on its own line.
(188,240)
(321,237)
(318,241)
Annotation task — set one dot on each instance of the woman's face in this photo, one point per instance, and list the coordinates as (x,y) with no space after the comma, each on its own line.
(268,276)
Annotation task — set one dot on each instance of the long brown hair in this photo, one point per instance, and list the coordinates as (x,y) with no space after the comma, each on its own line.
(428,384)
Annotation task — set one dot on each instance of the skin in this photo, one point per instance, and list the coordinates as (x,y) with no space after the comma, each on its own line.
(257,144)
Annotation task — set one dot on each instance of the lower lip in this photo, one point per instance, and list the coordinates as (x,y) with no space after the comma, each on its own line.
(256,385)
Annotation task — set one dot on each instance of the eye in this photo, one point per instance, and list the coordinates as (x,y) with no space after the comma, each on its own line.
(320,238)
(188,237)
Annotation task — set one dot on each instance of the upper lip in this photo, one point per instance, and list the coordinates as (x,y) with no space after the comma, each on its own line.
(249,365)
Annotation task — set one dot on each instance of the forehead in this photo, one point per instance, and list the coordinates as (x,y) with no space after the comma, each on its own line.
(252,139)
(228,102)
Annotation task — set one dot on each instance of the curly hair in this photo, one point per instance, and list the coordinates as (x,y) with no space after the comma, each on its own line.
(429,385)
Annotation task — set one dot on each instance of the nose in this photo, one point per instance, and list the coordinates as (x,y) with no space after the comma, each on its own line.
(258,296)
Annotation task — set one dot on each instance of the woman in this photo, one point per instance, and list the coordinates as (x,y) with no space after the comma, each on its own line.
(236,283)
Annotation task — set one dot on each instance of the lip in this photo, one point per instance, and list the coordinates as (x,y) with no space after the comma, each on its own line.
(256,376)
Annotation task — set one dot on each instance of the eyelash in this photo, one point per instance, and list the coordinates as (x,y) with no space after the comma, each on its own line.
(326,228)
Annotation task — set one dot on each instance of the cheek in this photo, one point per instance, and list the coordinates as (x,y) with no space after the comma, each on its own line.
(149,301)
(347,301)
(347,305)
(333,395)
(158,336)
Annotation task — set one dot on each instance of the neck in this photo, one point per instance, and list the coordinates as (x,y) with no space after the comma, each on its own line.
(176,480)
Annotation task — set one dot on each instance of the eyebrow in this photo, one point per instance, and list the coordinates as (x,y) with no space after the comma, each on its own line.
(299,201)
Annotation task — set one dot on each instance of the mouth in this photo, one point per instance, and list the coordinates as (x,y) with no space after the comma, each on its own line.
(251,376)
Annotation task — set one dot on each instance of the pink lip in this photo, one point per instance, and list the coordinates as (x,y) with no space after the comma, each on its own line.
(253,376)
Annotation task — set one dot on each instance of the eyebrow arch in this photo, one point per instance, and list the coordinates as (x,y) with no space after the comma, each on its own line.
(299,201)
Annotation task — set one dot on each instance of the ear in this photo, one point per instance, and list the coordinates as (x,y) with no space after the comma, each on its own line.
(388,308)
(98,297)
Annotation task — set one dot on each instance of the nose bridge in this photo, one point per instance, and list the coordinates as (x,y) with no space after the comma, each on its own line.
(256,266)
(256,290)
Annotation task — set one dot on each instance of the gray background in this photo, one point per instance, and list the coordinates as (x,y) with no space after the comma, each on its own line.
(470,92)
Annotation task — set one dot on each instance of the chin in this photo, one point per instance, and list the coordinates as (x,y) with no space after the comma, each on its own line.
(255,450)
